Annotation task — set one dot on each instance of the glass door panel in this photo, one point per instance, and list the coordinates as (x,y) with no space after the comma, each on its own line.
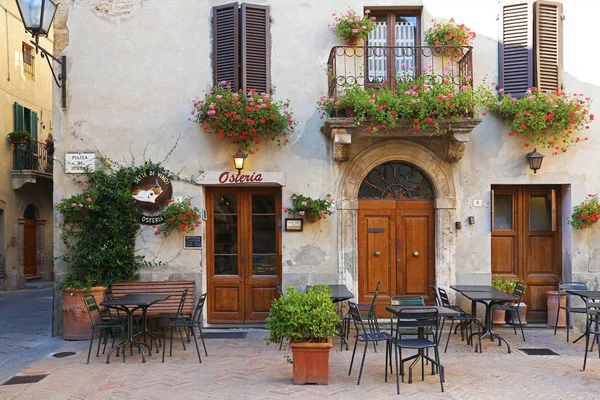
(225,228)
(503,211)
(264,235)
(540,211)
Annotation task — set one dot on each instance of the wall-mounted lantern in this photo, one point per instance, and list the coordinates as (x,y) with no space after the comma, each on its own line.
(534,159)
(238,161)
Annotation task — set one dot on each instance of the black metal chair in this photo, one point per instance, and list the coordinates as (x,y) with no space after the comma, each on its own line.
(424,320)
(191,324)
(436,296)
(593,314)
(174,316)
(518,292)
(569,308)
(367,337)
(102,325)
(368,313)
(404,300)
(465,321)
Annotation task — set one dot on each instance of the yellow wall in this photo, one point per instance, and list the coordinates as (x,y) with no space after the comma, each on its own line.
(36,95)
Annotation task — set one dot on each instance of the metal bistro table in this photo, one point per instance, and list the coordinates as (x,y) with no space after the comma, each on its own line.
(585,296)
(131,303)
(338,293)
(473,288)
(489,298)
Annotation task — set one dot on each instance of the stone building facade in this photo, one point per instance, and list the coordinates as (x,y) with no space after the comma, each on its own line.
(135,66)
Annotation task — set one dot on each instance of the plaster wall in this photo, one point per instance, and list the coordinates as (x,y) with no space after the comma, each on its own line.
(134,67)
(35,94)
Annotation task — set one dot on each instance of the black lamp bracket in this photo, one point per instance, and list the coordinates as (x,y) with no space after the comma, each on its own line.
(61,78)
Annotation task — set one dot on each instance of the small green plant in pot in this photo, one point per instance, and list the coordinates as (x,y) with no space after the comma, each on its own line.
(506,285)
(309,320)
(19,137)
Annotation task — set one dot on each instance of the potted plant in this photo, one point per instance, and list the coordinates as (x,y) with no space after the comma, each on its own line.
(446,37)
(313,209)
(309,320)
(586,214)
(49,144)
(243,118)
(545,118)
(506,285)
(351,27)
(178,216)
(19,137)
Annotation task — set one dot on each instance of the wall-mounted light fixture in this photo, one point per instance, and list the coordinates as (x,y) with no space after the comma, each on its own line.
(37,17)
(534,159)
(238,161)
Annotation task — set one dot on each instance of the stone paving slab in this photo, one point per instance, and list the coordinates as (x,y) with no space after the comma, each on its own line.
(248,369)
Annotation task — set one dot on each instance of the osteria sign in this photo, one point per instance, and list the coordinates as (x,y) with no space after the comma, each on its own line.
(232,178)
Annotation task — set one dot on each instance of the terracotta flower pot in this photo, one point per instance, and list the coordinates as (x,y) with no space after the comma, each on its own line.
(353,41)
(312,218)
(77,324)
(499,317)
(311,362)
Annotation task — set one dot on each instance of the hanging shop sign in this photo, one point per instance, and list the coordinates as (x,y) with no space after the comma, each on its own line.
(150,189)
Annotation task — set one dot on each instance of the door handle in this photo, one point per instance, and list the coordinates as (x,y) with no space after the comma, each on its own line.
(377,253)
(241,281)
(416,254)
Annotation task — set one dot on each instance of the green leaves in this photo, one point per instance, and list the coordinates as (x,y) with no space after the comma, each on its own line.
(304,205)
(303,317)
(586,214)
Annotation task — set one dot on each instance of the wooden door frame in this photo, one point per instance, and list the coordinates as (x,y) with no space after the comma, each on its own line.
(244,237)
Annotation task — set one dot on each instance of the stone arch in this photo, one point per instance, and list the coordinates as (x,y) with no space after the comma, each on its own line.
(28,210)
(439,174)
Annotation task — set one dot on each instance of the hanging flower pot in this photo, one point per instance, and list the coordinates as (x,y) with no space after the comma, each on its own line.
(312,218)
(19,137)
(313,209)
(353,41)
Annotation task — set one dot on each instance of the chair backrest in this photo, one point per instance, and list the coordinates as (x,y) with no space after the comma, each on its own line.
(354,313)
(593,309)
(564,286)
(372,308)
(197,318)
(407,300)
(425,317)
(279,290)
(92,308)
(181,303)
(519,291)
(108,295)
(444,299)
(436,295)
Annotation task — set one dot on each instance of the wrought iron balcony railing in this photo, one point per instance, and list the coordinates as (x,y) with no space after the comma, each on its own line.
(32,156)
(386,66)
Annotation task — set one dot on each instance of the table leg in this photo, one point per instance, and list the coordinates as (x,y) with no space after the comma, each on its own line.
(152,334)
(129,340)
(488,329)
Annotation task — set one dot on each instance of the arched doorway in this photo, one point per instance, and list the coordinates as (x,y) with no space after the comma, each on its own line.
(396,235)
(437,172)
(29,242)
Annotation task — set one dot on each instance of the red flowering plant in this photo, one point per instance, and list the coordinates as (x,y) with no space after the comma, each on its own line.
(180,216)
(424,100)
(586,214)
(244,118)
(545,118)
(449,34)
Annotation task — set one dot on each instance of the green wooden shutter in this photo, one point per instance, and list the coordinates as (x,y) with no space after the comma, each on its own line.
(548,45)
(256,48)
(226,47)
(19,117)
(33,124)
(515,47)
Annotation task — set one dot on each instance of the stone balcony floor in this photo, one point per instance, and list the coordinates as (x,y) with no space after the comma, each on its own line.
(247,369)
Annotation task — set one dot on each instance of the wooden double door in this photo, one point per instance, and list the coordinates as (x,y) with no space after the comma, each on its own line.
(243,253)
(526,241)
(396,242)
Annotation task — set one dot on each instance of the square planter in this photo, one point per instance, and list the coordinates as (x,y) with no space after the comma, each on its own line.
(311,362)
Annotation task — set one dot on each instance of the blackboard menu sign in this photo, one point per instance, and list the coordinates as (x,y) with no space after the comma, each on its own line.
(192,242)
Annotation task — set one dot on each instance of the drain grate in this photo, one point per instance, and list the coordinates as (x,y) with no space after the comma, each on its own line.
(224,335)
(64,354)
(539,352)
(18,380)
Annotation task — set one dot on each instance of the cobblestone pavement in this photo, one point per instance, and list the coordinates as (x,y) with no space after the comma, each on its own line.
(247,369)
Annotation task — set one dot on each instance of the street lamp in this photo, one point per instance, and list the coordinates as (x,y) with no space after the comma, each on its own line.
(37,17)
(534,159)
(238,161)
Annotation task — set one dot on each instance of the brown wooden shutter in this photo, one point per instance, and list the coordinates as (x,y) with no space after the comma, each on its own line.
(226,44)
(515,46)
(548,46)
(256,48)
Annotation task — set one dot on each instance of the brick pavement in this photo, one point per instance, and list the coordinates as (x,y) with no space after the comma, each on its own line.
(247,369)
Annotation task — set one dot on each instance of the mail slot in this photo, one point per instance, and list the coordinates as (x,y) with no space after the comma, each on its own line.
(376,230)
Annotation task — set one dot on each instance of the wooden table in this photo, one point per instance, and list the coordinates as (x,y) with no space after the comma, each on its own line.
(131,303)
(489,299)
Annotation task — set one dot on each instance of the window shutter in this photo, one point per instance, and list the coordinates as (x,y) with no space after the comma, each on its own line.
(226,44)
(19,117)
(33,124)
(515,71)
(548,46)
(256,44)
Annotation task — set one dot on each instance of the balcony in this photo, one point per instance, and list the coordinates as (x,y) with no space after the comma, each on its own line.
(31,162)
(392,67)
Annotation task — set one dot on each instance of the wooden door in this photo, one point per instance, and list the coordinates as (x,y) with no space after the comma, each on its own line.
(526,241)
(243,253)
(30,248)
(396,248)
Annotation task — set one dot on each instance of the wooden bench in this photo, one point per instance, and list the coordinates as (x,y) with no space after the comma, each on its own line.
(174,288)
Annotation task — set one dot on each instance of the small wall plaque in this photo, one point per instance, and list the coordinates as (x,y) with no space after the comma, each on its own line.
(204,214)
(294,224)
(192,242)
(76,163)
